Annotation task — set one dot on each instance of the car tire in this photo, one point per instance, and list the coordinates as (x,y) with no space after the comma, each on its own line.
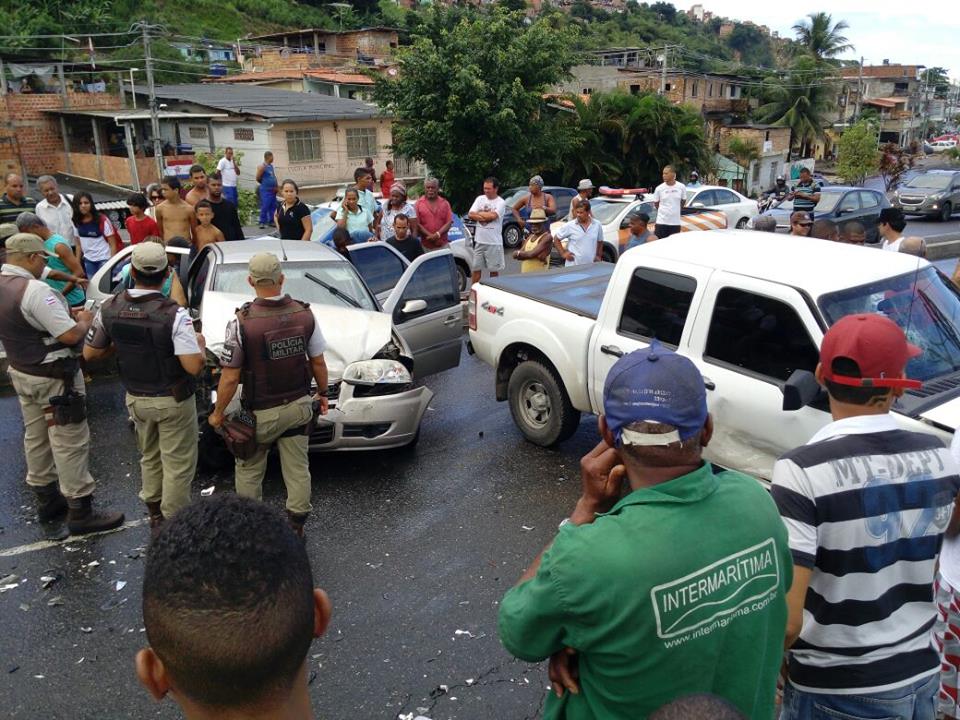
(212,455)
(539,404)
(742,223)
(463,276)
(608,254)
(946,212)
(512,236)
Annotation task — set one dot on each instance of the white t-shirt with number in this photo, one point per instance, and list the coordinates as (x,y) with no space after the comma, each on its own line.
(489,233)
(671,199)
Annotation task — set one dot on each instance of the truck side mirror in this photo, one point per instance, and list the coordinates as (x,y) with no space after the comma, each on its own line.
(800,389)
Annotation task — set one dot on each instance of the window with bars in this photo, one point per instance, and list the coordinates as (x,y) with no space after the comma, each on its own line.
(361,142)
(197,133)
(304,145)
(243,134)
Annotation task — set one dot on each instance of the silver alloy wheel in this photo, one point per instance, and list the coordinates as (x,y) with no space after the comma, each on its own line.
(535,404)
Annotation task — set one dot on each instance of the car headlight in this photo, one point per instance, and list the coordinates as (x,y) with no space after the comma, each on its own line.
(377,372)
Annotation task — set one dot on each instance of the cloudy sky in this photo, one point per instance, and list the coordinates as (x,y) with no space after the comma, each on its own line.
(905,33)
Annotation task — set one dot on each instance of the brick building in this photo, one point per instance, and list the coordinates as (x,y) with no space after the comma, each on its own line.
(318,47)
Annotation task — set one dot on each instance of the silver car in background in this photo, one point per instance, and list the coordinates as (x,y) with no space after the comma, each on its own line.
(387,322)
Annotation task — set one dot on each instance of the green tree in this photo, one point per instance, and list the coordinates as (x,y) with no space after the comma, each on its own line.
(857,153)
(626,139)
(798,101)
(938,80)
(821,38)
(754,47)
(744,152)
(471,98)
(248,202)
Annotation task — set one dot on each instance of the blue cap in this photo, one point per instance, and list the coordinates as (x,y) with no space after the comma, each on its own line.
(658,386)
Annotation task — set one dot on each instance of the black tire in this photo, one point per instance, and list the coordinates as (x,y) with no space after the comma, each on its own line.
(608,254)
(463,277)
(742,223)
(512,236)
(946,212)
(540,405)
(212,455)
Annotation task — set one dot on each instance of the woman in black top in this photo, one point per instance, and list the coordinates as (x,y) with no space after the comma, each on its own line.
(293,217)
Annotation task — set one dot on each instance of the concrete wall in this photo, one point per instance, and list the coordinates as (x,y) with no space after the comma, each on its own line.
(591,78)
(779,137)
(39,143)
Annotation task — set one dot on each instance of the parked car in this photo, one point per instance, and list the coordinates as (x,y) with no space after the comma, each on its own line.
(738,208)
(512,232)
(751,322)
(614,214)
(383,330)
(934,193)
(461,241)
(942,145)
(841,204)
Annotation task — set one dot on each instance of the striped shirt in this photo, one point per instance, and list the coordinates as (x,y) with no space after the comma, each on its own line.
(865,504)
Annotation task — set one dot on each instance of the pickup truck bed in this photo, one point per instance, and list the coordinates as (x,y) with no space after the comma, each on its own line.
(579,290)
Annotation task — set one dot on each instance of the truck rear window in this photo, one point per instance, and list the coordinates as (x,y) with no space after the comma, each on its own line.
(656,306)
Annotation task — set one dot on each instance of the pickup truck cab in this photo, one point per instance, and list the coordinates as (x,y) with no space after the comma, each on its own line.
(749,309)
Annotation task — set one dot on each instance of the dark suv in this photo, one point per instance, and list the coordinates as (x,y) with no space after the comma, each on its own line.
(512,232)
(935,194)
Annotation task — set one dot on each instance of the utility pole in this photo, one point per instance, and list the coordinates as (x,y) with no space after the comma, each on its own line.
(663,70)
(859,89)
(152,101)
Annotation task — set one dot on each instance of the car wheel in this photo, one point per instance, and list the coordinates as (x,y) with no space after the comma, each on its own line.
(463,276)
(608,254)
(212,455)
(511,236)
(946,212)
(540,405)
(742,223)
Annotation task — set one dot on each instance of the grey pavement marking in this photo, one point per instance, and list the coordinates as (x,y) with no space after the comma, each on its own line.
(47,544)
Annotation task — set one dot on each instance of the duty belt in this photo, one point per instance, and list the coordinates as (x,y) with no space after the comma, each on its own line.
(59,369)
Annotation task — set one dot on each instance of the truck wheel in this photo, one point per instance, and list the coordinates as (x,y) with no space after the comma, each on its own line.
(946,212)
(608,254)
(742,223)
(512,236)
(540,405)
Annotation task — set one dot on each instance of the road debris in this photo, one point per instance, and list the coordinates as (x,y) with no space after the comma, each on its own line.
(121,584)
(207,492)
(93,563)
(48,580)
(526,528)
(86,630)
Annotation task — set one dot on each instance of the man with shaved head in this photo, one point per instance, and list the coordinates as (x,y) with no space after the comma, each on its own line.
(914,245)
(13,201)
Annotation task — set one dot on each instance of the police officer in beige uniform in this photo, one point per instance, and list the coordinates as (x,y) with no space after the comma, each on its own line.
(41,340)
(275,347)
(158,355)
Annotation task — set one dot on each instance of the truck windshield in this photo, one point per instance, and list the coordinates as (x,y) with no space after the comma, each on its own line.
(924,304)
(232,278)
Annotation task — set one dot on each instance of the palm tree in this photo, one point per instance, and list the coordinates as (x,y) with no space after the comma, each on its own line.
(798,102)
(744,152)
(821,38)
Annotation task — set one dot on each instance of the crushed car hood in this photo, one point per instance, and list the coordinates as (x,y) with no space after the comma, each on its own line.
(351,334)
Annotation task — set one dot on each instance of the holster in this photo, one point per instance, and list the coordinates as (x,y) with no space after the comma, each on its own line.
(239,433)
(70,407)
(183,389)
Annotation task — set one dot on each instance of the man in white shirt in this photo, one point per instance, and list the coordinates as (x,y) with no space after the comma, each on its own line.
(229,170)
(584,236)
(487,212)
(55,210)
(891,225)
(669,197)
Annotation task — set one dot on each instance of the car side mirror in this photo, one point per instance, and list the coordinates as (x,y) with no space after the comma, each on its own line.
(412,307)
(800,389)
(698,205)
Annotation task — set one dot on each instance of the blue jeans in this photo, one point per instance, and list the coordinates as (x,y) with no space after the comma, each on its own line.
(359,236)
(268,205)
(90,267)
(910,702)
(230,193)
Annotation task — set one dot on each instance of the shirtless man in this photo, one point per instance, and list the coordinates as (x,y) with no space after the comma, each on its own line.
(175,218)
(198,176)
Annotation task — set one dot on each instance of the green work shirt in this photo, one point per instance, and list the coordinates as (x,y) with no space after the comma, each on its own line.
(679,589)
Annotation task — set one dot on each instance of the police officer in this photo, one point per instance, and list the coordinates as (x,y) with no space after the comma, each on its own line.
(158,355)
(275,347)
(42,343)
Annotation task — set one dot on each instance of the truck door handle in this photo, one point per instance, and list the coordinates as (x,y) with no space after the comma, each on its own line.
(611,350)
(709,384)
(452,320)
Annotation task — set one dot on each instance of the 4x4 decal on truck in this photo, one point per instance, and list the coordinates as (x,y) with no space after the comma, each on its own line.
(737,584)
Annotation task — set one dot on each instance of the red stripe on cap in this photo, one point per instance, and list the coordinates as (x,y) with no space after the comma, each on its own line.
(874,382)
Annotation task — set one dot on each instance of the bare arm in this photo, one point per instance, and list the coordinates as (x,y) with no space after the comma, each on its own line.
(318,366)
(226,389)
(176,292)
(69,259)
(76,334)
(192,364)
(158,216)
(307,227)
(795,602)
(551,204)
(517,206)
(259,173)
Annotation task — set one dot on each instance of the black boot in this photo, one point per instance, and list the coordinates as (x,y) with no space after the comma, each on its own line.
(156,518)
(81,518)
(51,504)
(297,521)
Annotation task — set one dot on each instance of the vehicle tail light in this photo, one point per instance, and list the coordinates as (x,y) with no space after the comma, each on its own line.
(472,309)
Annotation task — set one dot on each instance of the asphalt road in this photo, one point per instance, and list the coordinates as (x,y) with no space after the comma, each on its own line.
(416,548)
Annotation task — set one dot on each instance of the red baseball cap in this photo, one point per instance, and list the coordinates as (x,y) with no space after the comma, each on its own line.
(876,344)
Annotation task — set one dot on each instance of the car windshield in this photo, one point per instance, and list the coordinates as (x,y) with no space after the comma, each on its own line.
(924,304)
(514,194)
(930,181)
(232,278)
(606,212)
(323,225)
(828,201)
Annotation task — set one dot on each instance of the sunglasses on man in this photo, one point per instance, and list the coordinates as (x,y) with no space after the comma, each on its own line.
(804,224)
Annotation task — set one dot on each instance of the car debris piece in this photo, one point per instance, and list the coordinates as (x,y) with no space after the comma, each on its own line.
(207,492)
(121,584)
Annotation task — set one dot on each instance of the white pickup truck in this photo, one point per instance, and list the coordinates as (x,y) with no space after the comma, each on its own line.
(748,308)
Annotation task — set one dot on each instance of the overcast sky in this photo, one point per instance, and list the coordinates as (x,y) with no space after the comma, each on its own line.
(909,33)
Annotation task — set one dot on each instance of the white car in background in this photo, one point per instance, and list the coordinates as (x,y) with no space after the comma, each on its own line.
(739,209)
